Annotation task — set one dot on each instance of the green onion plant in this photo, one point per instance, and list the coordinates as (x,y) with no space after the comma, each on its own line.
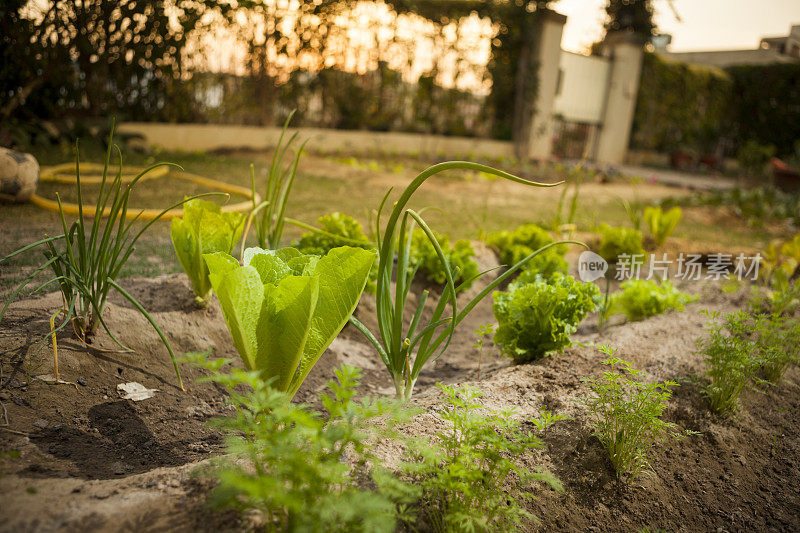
(405,350)
(269,215)
(88,256)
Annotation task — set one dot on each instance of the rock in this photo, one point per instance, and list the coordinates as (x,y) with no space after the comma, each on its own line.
(119,468)
(19,175)
(82,381)
(41,423)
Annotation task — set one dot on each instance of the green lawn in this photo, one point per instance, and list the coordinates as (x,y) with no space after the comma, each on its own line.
(465,204)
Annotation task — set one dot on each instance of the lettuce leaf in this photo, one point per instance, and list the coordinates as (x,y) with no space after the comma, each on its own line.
(284,308)
(203,229)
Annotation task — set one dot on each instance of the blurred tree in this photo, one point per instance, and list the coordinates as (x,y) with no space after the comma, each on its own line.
(630,17)
(98,57)
(512,66)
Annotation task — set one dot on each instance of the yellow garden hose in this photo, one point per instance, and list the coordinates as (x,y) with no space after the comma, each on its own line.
(66,174)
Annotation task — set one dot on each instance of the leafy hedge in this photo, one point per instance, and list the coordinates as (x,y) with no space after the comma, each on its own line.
(680,105)
(766,104)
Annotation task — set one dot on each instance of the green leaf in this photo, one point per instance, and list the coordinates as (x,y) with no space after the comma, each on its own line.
(343,273)
(203,229)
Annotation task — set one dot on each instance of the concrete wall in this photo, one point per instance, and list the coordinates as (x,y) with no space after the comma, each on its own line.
(548,57)
(726,58)
(581,93)
(209,137)
(623,87)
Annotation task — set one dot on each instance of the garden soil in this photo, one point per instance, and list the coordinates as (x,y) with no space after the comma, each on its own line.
(79,457)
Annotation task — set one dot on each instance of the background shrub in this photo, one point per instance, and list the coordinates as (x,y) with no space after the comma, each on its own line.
(460,256)
(514,246)
(680,105)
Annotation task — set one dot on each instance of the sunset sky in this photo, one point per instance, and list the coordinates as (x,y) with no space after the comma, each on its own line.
(704,25)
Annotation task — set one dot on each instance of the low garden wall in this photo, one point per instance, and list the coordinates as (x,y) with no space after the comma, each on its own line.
(210,137)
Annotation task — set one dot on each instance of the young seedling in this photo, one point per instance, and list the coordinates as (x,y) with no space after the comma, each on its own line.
(627,411)
(731,358)
(483,332)
(292,465)
(660,223)
(642,298)
(464,471)
(546,419)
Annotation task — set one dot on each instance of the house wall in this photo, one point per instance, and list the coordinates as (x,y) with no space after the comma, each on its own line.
(726,58)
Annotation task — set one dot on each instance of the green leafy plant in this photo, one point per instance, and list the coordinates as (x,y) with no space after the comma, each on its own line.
(626,412)
(640,299)
(459,257)
(89,255)
(464,471)
(782,296)
(731,359)
(269,216)
(615,242)
(203,229)
(302,470)
(535,319)
(335,230)
(660,223)
(513,246)
(405,349)
(284,308)
(483,332)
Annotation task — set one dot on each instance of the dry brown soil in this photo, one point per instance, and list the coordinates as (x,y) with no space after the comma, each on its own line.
(91,461)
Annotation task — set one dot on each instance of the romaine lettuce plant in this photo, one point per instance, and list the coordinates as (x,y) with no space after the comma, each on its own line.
(284,308)
(203,229)
(660,223)
(537,318)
